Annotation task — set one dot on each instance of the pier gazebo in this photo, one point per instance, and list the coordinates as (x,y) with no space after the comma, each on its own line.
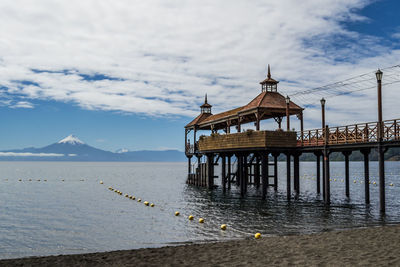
(267,105)
(251,149)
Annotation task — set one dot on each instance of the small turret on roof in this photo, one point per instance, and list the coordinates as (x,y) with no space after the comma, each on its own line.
(269,84)
(205,108)
(205,113)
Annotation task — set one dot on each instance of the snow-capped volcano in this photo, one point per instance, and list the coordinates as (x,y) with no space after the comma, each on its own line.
(72,140)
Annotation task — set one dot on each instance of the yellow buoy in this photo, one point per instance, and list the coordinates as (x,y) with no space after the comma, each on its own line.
(391,184)
(139,200)
(223,227)
(257,236)
(62,180)
(177,213)
(45,180)
(126,195)
(146,203)
(335,180)
(20,180)
(354,181)
(152,205)
(133,198)
(101,182)
(374,182)
(190,217)
(201,220)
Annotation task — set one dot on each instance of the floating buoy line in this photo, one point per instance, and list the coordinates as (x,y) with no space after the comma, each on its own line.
(223,227)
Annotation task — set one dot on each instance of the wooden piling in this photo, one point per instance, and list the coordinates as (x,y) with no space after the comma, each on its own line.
(318,155)
(257,171)
(229,171)
(366,152)
(288,193)
(223,173)
(347,172)
(381,159)
(296,174)
(327,189)
(276,171)
(264,173)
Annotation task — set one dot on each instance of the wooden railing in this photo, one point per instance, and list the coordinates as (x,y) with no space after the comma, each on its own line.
(350,134)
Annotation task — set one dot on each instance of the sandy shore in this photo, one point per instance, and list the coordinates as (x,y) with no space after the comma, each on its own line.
(378,246)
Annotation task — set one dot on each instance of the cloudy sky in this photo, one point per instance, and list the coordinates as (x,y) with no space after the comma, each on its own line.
(130,74)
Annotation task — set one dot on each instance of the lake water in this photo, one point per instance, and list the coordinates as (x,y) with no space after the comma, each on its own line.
(72,212)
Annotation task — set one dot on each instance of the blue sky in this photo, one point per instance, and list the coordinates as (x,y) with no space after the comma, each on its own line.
(131,74)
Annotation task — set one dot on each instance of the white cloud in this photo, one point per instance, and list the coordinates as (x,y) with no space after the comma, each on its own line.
(28,154)
(22,104)
(165,55)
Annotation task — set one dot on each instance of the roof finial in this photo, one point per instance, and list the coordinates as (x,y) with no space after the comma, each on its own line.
(205,99)
(269,72)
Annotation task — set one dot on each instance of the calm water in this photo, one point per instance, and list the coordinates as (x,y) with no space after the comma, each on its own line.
(80,215)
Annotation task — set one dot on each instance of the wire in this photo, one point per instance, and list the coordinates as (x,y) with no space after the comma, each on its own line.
(349,86)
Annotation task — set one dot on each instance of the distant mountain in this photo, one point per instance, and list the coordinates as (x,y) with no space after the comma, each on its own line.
(72,149)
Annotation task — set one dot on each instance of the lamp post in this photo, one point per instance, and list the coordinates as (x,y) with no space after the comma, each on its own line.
(323,113)
(287,99)
(379,75)
(381,153)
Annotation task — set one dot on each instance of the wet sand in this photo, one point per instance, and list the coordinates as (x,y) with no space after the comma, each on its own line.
(376,246)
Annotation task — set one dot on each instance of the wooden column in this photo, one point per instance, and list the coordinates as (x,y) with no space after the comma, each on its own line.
(264,173)
(210,170)
(189,164)
(296,173)
(239,177)
(276,172)
(257,171)
(223,173)
(366,152)
(257,114)
(288,193)
(327,188)
(199,172)
(381,159)
(318,155)
(347,172)
(323,177)
(229,171)
(245,172)
(301,127)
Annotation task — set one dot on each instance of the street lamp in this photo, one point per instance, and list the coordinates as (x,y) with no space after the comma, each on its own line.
(323,113)
(381,152)
(379,75)
(287,99)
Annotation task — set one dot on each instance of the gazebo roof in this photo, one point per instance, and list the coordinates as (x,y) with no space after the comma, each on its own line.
(271,101)
(201,117)
(268,104)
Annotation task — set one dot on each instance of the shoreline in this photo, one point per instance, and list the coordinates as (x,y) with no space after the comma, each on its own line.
(356,247)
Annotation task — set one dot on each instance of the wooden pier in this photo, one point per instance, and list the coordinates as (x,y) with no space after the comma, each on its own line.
(255,152)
